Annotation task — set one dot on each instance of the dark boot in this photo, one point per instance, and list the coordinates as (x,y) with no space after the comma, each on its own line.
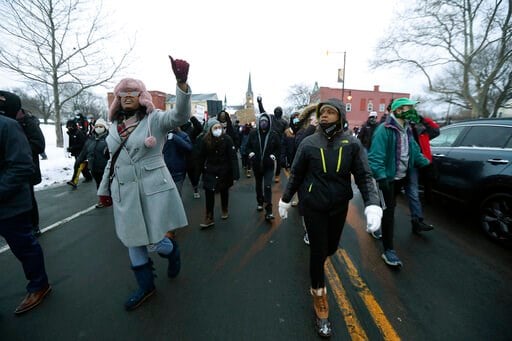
(418,225)
(173,269)
(145,279)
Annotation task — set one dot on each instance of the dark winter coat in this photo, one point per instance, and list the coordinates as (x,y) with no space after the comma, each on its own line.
(96,152)
(175,153)
(324,169)
(77,140)
(288,148)
(366,133)
(35,137)
(218,163)
(16,169)
(263,144)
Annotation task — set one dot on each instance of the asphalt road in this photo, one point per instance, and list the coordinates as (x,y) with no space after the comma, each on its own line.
(248,280)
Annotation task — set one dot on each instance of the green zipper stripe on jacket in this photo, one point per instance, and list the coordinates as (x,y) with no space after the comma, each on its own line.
(323,160)
(339,160)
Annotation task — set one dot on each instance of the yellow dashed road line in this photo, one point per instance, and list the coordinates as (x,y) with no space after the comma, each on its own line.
(354,327)
(385,327)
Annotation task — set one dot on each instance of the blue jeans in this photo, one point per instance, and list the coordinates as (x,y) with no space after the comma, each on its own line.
(17,232)
(139,254)
(413,195)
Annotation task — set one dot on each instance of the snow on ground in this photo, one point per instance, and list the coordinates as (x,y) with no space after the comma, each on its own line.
(59,167)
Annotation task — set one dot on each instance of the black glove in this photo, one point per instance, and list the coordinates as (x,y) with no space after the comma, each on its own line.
(383,184)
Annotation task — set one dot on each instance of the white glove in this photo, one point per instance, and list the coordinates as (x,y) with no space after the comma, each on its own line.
(283,209)
(273,157)
(373,217)
(251,154)
(170,136)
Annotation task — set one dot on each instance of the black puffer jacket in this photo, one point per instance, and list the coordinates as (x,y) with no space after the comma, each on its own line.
(324,167)
(95,151)
(263,144)
(218,162)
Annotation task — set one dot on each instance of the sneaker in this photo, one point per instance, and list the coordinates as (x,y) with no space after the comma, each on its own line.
(248,173)
(376,234)
(418,225)
(295,203)
(197,195)
(208,222)
(269,216)
(391,258)
(72,184)
(225,215)
(306,238)
(259,208)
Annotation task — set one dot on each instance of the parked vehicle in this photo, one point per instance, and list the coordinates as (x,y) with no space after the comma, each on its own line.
(472,165)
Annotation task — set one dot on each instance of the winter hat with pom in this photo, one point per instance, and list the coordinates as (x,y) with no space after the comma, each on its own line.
(131,84)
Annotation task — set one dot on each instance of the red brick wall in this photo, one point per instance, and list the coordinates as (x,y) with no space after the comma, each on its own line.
(359,101)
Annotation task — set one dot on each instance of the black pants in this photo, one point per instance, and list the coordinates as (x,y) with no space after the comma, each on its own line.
(17,232)
(324,231)
(34,213)
(388,216)
(97,177)
(264,180)
(210,200)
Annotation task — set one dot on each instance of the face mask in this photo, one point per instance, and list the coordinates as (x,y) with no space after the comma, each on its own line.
(330,129)
(295,120)
(411,115)
(217,132)
(99,130)
(264,125)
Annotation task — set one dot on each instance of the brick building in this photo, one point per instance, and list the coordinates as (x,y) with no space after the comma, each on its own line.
(358,102)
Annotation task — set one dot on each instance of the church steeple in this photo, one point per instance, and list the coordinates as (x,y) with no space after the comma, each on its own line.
(249,97)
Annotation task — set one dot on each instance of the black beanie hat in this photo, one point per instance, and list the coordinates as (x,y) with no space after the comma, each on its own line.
(10,104)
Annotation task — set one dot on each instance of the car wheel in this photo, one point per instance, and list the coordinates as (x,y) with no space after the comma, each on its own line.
(496,216)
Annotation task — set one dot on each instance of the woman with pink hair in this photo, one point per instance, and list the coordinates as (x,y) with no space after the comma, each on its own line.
(136,181)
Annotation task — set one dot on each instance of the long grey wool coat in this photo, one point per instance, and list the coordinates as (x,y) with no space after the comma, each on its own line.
(146,203)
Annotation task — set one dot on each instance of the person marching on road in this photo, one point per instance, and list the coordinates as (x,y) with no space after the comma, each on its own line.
(366,132)
(219,164)
(95,152)
(279,125)
(11,107)
(392,153)
(16,171)
(146,203)
(324,164)
(264,149)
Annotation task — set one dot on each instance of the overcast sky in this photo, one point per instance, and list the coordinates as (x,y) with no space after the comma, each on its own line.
(281,43)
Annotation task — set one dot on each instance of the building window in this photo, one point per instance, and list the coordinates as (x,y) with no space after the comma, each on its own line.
(348,107)
(382,107)
(370,106)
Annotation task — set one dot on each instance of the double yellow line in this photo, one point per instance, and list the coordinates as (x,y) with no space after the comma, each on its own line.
(354,327)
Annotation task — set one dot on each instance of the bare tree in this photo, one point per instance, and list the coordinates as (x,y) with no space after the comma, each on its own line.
(299,95)
(462,47)
(37,99)
(88,103)
(56,42)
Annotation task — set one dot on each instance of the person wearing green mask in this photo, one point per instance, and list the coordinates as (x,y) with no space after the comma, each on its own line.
(392,153)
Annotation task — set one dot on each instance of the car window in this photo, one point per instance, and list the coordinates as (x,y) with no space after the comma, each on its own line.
(447,137)
(487,136)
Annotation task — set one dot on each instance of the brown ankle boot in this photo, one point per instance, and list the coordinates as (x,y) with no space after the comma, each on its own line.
(225,213)
(321,307)
(208,221)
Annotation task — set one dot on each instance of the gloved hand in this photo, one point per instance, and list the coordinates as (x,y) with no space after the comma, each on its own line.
(283,209)
(373,215)
(251,155)
(170,136)
(180,69)
(383,184)
(259,99)
(273,157)
(105,200)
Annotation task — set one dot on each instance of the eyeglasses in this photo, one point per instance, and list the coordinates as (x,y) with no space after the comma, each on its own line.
(124,94)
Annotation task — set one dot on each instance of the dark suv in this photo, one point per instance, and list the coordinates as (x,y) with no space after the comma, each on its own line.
(472,164)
